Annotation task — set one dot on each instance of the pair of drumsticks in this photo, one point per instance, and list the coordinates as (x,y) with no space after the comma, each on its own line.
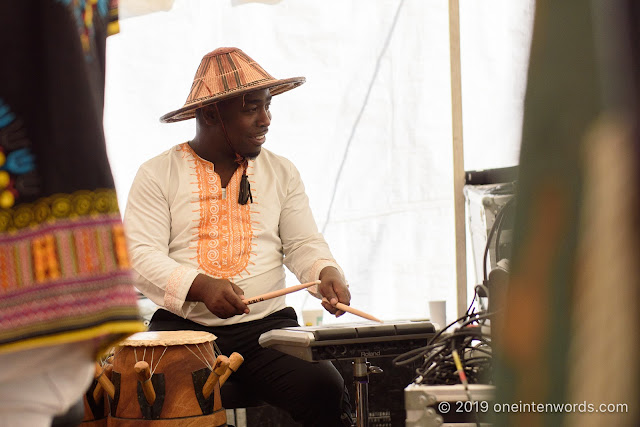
(339,305)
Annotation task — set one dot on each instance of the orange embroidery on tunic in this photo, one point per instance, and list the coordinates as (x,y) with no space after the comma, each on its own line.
(224,230)
(171,301)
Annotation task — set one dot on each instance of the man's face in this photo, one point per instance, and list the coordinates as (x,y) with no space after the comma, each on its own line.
(247,119)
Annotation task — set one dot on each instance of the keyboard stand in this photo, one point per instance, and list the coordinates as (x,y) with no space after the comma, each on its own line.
(361,371)
(355,342)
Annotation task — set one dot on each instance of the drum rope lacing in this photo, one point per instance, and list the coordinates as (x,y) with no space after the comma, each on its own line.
(152,369)
(211,351)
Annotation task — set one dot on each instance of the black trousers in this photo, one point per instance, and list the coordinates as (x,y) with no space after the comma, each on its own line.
(312,393)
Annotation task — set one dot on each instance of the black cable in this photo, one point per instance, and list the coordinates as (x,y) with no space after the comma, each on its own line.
(505,208)
(483,292)
(468,340)
(487,245)
(438,366)
(475,295)
(478,316)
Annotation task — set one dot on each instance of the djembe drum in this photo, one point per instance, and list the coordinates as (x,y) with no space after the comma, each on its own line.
(168,378)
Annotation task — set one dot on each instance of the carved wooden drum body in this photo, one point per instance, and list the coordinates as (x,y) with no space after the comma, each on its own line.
(96,402)
(159,379)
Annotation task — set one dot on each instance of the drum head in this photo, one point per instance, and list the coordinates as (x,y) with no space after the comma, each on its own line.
(167,338)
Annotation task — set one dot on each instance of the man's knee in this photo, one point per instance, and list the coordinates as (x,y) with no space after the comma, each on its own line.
(327,401)
(325,381)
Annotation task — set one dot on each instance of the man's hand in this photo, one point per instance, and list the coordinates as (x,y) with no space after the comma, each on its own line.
(334,289)
(222,297)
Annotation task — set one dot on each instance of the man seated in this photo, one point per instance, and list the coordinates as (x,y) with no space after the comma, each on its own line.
(219,216)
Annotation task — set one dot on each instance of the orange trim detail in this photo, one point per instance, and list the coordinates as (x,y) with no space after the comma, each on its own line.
(224,231)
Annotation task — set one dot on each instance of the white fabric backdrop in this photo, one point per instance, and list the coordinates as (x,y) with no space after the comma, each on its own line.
(377,165)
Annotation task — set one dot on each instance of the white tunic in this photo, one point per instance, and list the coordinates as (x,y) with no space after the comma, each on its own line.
(178,225)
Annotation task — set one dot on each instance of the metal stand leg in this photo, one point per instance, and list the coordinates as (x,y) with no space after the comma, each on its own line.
(361,380)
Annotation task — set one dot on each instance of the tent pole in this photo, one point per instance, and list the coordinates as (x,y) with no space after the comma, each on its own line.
(458,157)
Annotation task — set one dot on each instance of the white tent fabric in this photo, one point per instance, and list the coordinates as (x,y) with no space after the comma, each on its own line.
(129,8)
(370,131)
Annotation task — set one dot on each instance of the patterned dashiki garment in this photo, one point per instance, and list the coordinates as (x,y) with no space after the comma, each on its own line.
(64,266)
(180,223)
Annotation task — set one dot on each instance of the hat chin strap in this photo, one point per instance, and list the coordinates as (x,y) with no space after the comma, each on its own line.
(244,194)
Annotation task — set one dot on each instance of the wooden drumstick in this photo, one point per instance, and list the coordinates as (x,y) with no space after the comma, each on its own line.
(279,293)
(349,309)
(97,391)
(235,360)
(144,376)
(105,382)
(221,366)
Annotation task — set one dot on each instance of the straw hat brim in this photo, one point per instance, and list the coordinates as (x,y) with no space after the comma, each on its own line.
(276,88)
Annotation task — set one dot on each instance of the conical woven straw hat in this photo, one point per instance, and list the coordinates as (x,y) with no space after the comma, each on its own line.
(225,73)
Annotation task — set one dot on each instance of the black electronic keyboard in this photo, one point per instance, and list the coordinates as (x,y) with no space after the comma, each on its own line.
(349,340)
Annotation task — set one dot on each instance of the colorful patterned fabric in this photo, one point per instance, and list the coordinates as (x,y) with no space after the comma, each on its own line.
(64,266)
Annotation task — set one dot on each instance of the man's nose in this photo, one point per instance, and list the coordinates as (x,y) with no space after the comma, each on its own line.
(265,117)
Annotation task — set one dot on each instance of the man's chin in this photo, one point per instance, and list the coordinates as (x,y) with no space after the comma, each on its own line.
(252,156)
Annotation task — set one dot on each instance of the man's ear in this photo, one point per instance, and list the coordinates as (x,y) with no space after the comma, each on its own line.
(209,115)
